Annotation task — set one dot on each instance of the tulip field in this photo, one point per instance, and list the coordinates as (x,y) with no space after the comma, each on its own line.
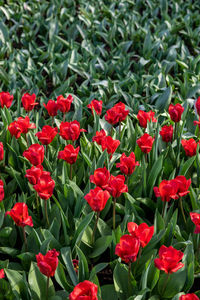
(99,150)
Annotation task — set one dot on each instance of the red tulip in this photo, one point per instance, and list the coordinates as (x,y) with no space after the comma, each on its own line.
(1,151)
(145,142)
(96,105)
(51,107)
(189,297)
(35,154)
(116,186)
(69,154)
(167,133)
(19,214)
(1,190)
(28,101)
(70,130)
(195,218)
(183,185)
(15,129)
(143,232)
(116,114)
(25,124)
(45,186)
(47,134)
(75,265)
(168,260)
(143,117)
(64,104)
(175,112)
(85,290)
(100,135)
(109,144)
(101,177)
(197,122)
(2,274)
(128,248)
(97,199)
(167,190)
(6,99)
(197,105)
(190,147)
(48,263)
(34,173)
(127,164)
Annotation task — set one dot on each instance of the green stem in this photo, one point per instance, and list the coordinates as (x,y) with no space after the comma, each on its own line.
(37,204)
(47,288)
(64,117)
(129,278)
(71,171)
(165,284)
(26,138)
(95,226)
(114,204)
(119,130)
(182,210)
(52,121)
(46,214)
(25,239)
(164,209)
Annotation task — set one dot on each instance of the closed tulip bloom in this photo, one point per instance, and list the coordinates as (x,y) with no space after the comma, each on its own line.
(197,105)
(85,290)
(175,112)
(195,218)
(116,114)
(109,144)
(45,186)
(97,199)
(190,147)
(2,274)
(169,259)
(1,151)
(51,107)
(116,186)
(19,214)
(48,263)
(6,99)
(69,154)
(34,173)
(15,129)
(167,133)
(70,130)
(167,190)
(183,185)
(47,134)
(145,142)
(1,190)
(143,232)
(101,177)
(96,105)
(35,154)
(100,135)
(189,297)
(143,117)
(127,163)
(128,248)
(64,104)
(28,101)
(24,124)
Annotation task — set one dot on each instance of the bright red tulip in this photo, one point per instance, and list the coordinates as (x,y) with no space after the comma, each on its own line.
(183,185)
(116,186)
(189,297)
(35,154)
(197,105)
(64,104)
(6,99)
(28,101)
(116,114)
(169,259)
(190,147)
(175,112)
(2,274)
(101,177)
(97,199)
(69,154)
(45,186)
(15,129)
(143,117)
(195,218)
(70,130)
(127,163)
(109,144)
(143,232)
(34,173)
(1,151)
(167,133)
(145,142)
(1,190)
(128,248)
(96,105)
(85,290)
(51,107)
(47,134)
(100,135)
(25,124)
(167,190)
(19,214)
(48,263)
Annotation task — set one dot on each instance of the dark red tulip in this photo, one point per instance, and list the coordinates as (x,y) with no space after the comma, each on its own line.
(183,185)
(1,190)
(97,199)
(116,114)
(101,177)
(70,130)
(197,105)
(143,232)
(143,117)
(109,144)
(19,214)
(128,248)
(45,186)
(195,218)
(100,135)
(175,112)
(127,163)
(69,154)
(189,297)
(96,105)
(34,173)
(169,259)
(167,133)
(28,101)
(48,263)
(51,107)
(167,190)
(47,134)
(145,142)
(2,274)
(1,151)
(6,99)
(116,186)
(75,265)
(64,104)
(35,154)
(85,290)
(190,147)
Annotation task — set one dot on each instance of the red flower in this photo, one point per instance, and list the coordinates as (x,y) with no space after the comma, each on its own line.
(167,189)
(19,214)
(15,129)
(195,218)
(45,186)
(2,274)
(1,190)
(70,130)
(175,112)
(143,117)
(189,297)
(6,99)
(197,122)
(51,107)
(100,135)
(34,173)
(64,104)
(24,124)
(128,248)
(197,104)
(69,154)
(168,260)
(48,263)
(96,105)
(75,264)
(116,114)
(145,142)
(101,177)
(183,185)
(97,198)
(109,144)
(28,101)
(47,134)
(190,147)
(1,151)
(116,186)
(85,290)
(143,232)
(35,154)
(127,163)
(167,133)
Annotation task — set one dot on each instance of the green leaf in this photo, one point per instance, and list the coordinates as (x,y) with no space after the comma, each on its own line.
(66,256)
(81,228)
(120,277)
(101,245)
(164,99)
